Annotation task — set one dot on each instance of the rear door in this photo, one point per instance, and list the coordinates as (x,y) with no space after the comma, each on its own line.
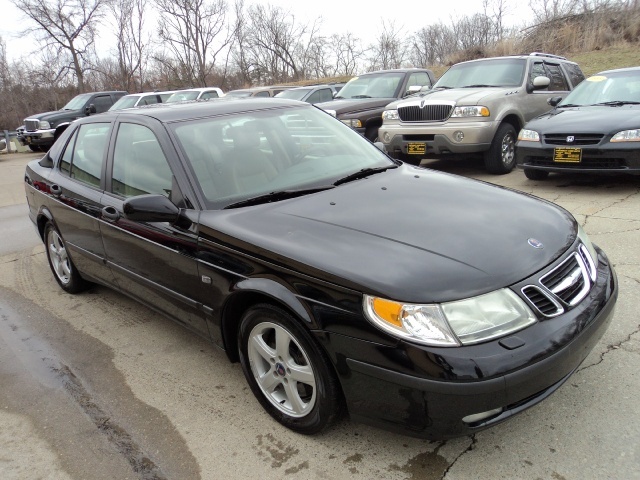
(152,261)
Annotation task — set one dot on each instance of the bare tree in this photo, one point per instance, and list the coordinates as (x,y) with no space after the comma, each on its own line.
(389,51)
(69,27)
(132,43)
(196,32)
(432,45)
(546,10)
(347,52)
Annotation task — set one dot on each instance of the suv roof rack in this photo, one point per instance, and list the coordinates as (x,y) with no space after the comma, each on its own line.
(542,54)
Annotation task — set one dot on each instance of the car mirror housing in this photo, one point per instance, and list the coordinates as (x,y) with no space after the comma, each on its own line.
(89,109)
(151,208)
(539,83)
(554,101)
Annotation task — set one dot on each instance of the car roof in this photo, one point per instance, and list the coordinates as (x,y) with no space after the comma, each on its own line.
(260,89)
(174,112)
(396,70)
(619,70)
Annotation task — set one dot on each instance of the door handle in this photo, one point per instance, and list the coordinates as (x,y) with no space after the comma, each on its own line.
(56,190)
(110,214)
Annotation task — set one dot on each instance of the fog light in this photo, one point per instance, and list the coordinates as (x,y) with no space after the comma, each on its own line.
(477,417)
(386,137)
(458,136)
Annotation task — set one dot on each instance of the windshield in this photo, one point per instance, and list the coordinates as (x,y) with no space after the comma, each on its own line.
(501,72)
(294,94)
(238,93)
(128,101)
(241,156)
(607,87)
(76,103)
(375,85)
(183,96)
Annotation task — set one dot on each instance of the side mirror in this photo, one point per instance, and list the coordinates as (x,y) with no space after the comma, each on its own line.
(538,83)
(91,108)
(553,101)
(413,89)
(150,208)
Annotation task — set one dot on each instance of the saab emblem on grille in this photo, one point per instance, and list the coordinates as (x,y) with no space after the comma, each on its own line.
(424,100)
(535,243)
(570,139)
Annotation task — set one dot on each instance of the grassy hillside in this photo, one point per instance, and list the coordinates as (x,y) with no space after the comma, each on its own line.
(626,55)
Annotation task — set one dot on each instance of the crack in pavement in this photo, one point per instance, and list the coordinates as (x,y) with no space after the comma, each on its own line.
(611,347)
(471,446)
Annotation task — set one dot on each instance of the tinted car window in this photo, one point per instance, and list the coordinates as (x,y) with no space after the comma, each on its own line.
(418,79)
(537,70)
(139,165)
(211,94)
(262,94)
(322,95)
(102,103)
(558,82)
(82,157)
(575,74)
(149,100)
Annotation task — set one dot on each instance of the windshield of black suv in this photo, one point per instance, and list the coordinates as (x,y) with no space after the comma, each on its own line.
(607,87)
(294,93)
(495,72)
(76,103)
(276,151)
(375,85)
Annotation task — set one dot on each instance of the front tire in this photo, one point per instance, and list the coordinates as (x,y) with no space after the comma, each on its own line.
(287,371)
(64,271)
(533,174)
(501,156)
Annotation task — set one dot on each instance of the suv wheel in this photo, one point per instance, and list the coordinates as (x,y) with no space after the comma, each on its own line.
(533,174)
(501,156)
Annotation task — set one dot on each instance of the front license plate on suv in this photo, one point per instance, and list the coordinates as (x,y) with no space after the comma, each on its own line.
(416,148)
(567,155)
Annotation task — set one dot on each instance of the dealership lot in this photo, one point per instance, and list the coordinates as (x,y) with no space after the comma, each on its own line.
(97,386)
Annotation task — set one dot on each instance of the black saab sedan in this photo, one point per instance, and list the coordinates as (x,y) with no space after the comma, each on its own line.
(595,129)
(340,279)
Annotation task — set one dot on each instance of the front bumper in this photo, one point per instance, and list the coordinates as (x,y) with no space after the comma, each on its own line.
(426,392)
(39,137)
(607,158)
(438,139)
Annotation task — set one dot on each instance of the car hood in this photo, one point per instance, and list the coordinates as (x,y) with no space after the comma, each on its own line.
(354,105)
(588,119)
(458,96)
(56,115)
(407,234)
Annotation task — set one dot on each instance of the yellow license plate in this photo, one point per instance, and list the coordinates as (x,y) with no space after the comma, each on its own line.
(416,148)
(567,155)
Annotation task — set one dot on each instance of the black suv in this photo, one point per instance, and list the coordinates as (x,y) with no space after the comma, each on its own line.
(41,130)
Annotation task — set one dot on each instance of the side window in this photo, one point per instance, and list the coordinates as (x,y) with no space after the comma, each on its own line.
(418,78)
(316,96)
(558,82)
(139,165)
(82,159)
(150,100)
(211,94)
(575,74)
(262,94)
(537,70)
(102,103)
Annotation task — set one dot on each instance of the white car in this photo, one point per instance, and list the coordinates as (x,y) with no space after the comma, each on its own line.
(203,93)
(139,99)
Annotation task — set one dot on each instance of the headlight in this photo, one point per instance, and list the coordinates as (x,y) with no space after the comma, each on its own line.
(451,324)
(390,115)
(352,122)
(471,111)
(627,136)
(44,125)
(528,136)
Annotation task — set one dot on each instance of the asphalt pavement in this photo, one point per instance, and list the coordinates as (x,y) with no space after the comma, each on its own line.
(97,386)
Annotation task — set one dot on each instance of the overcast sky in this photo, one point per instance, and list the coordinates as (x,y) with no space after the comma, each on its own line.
(362,19)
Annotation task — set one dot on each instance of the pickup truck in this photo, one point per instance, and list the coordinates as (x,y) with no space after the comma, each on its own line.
(362,100)
(477,107)
(41,130)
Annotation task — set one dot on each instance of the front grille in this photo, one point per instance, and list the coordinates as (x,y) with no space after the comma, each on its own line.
(563,287)
(596,163)
(578,139)
(31,125)
(429,113)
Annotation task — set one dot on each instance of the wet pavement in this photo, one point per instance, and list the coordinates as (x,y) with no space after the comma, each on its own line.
(97,386)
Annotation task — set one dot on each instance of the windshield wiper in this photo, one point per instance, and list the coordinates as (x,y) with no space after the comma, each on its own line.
(617,103)
(361,96)
(568,105)
(443,87)
(479,85)
(277,196)
(365,172)
(338,96)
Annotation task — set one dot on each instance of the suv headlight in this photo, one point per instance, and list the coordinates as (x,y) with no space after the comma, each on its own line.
(470,111)
(352,122)
(529,135)
(451,324)
(390,115)
(44,125)
(627,136)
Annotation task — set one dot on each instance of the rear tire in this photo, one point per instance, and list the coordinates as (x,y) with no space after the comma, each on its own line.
(501,157)
(64,271)
(34,148)
(533,174)
(287,371)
